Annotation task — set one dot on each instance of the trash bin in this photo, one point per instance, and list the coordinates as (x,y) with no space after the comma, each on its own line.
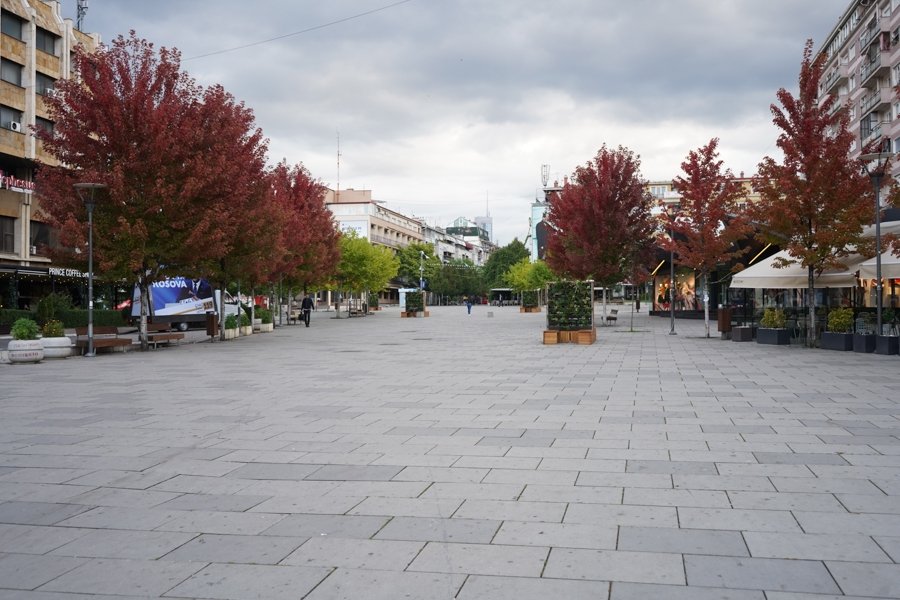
(724,317)
(212,324)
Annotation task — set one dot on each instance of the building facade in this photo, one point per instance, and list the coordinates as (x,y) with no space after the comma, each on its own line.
(355,210)
(36,48)
(862,55)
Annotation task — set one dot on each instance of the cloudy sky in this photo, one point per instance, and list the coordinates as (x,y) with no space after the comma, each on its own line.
(448,108)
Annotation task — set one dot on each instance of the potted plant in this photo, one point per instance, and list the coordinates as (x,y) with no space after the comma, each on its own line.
(530,302)
(372,301)
(840,327)
(231,327)
(888,342)
(864,336)
(570,313)
(265,320)
(25,346)
(54,340)
(772,328)
(415,305)
(246,327)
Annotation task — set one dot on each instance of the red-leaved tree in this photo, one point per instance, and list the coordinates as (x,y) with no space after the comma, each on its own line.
(709,221)
(310,240)
(599,224)
(180,163)
(815,202)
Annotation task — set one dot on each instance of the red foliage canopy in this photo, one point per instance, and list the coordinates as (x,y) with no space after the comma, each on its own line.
(309,239)
(181,163)
(709,220)
(600,226)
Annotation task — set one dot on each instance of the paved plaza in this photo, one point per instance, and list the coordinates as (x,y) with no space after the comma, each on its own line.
(455,456)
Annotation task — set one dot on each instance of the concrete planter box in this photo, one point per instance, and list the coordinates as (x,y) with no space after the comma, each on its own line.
(266,327)
(836,341)
(887,344)
(25,351)
(231,334)
(741,334)
(56,347)
(775,337)
(246,330)
(863,342)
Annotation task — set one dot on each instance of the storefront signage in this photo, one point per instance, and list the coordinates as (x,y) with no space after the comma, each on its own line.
(9,182)
(60,272)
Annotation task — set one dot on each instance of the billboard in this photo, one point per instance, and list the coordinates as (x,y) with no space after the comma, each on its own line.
(176,296)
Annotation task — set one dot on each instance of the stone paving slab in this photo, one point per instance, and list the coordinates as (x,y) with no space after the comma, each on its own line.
(453,457)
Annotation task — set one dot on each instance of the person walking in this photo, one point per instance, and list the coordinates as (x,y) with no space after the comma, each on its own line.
(306,308)
(469,305)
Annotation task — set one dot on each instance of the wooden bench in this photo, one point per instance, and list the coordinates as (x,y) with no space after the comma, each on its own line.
(105,336)
(159,333)
(612,316)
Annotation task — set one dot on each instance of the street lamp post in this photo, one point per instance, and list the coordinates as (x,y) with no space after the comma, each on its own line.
(672,275)
(421,270)
(876,174)
(86,192)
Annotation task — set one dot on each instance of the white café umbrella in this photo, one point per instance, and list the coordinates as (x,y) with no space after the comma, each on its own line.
(765,274)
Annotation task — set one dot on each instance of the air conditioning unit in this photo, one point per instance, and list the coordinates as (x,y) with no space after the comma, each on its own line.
(15,126)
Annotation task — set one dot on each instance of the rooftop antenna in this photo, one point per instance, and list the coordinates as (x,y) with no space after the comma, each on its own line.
(81,11)
(337,191)
(545,174)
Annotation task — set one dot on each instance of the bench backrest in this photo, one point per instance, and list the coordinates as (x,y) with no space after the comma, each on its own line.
(98,330)
(158,327)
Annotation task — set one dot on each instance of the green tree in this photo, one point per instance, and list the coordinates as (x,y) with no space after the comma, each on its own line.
(499,262)
(410,258)
(459,277)
(526,275)
(364,267)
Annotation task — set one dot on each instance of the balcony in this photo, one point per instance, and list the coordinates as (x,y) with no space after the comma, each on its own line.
(837,75)
(876,99)
(870,131)
(874,67)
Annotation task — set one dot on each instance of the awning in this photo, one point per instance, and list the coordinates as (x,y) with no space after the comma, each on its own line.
(765,275)
(890,267)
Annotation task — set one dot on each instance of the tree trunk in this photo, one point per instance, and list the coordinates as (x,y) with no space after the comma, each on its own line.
(706,301)
(811,304)
(145,307)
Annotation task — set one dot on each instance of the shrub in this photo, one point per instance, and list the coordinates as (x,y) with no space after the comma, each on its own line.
(8,316)
(888,316)
(773,318)
(24,329)
(530,298)
(53,328)
(264,315)
(569,305)
(78,317)
(51,306)
(231,322)
(372,300)
(245,320)
(840,320)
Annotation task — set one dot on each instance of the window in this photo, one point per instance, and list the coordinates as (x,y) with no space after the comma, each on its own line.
(7,235)
(43,83)
(45,124)
(11,72)
(9,115)
(46,41)
(43,237)
(11,25)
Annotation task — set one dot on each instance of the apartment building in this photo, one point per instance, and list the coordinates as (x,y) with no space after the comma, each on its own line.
(36,48)
(356,210)
(863,67)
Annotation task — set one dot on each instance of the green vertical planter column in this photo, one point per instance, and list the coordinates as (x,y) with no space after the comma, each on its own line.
(570,306)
